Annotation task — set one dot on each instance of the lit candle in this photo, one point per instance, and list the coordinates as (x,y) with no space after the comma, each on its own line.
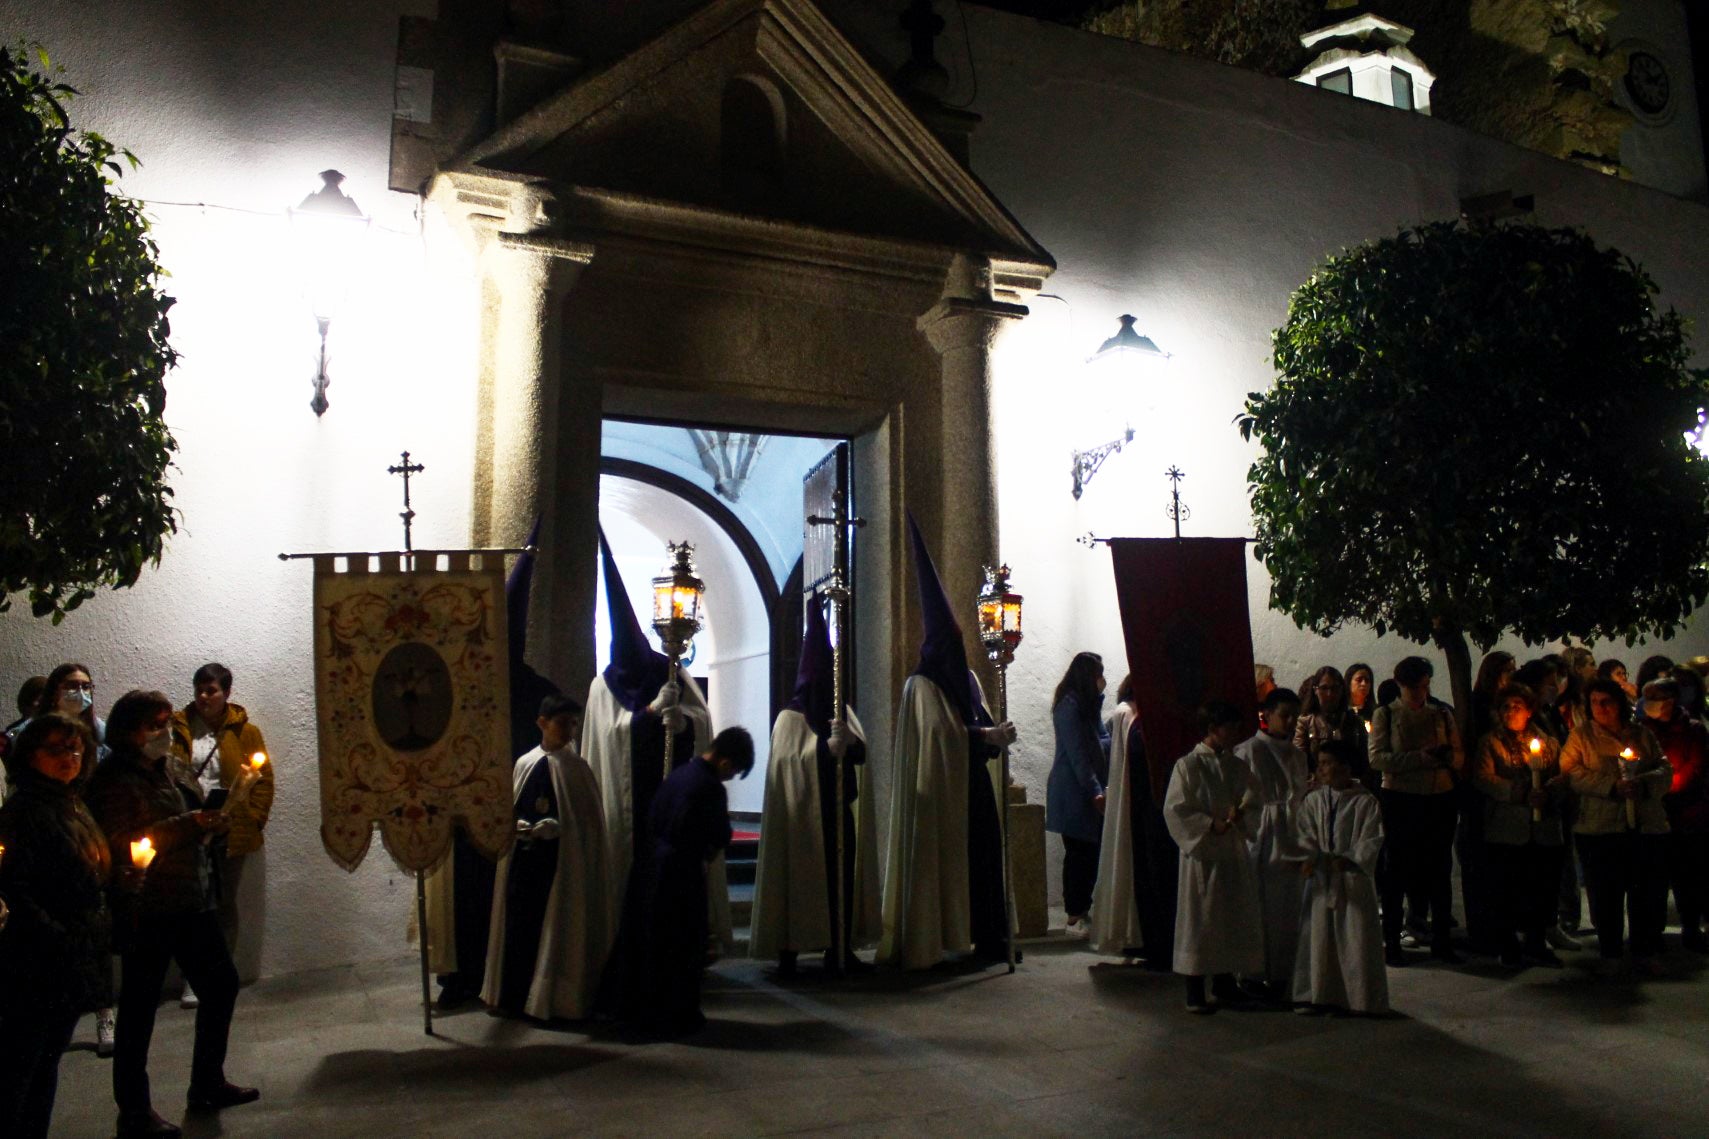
(1536,749)
(142,853)
(246,778)
(1629,764)
(2,852)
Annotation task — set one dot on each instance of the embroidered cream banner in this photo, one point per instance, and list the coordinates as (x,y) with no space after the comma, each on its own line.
(412,704)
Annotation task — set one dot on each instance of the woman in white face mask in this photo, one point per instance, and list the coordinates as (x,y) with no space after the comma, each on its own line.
(71,691)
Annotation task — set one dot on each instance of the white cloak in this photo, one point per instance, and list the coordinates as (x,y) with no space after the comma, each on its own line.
(605,744)
(1115,916)
(927,911)
(580,917)
(1218,918)
(1281,771)
(1340,956)
(791,910)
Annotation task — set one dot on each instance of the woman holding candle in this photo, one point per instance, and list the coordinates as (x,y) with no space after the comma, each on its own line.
(54,954)
(1620,775)
(218,742)
(1518,774)
(133,795)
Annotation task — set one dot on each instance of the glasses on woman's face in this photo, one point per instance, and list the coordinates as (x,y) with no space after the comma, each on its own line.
(76,686)
(58,748)
(1331,686)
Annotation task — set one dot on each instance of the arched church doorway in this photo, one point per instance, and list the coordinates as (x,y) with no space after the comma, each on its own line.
(738,497)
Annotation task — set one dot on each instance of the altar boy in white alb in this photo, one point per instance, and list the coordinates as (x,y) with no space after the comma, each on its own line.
(552,918)
(1210,811)
(1340,960)
(793,891)
(1282,776)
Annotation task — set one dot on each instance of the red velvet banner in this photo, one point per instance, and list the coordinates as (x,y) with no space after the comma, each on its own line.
(1189,640)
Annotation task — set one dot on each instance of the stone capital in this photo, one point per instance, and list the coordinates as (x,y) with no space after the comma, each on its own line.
(960,324)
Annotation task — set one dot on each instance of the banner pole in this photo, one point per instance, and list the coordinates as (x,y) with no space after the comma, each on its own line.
(421,923)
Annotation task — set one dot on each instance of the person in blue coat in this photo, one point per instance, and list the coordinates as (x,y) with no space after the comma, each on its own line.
(1074,797)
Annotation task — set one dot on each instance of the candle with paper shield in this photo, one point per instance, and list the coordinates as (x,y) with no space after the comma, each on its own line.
(142,852)
(1629,770)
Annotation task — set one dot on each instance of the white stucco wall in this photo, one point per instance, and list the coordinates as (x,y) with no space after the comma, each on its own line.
(1197,197)
(239,106)
(1192,195)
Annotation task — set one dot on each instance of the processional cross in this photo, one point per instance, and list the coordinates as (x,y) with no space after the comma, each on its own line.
(406,469)
(839,595)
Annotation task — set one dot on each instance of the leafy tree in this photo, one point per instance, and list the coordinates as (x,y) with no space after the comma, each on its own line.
(1478,429)
(83,447)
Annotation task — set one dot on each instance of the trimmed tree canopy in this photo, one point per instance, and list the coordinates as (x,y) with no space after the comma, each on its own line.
(83,447)
(1480,429)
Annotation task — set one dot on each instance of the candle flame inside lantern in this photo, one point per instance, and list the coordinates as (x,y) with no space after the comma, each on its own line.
(142,853)
(1628,753)
(1536,746)
(258,760)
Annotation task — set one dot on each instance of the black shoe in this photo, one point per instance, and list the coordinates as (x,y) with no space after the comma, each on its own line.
(1446,955)
(145,1125)
(225,1095)
(1394,958)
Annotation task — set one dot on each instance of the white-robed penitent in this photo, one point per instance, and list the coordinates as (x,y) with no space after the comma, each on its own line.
(581,917)
(1218,922)
(791,909)
(1280,770)
(605,743)
(1339,961)
(1115,915)
(927,910)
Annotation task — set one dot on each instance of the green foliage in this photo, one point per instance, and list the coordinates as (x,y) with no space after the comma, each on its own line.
(1478,429)
(83,446)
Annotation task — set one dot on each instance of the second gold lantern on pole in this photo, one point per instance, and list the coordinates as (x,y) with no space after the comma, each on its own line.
(1000,634)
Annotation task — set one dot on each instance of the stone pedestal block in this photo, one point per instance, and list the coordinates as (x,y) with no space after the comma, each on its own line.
(1027,864)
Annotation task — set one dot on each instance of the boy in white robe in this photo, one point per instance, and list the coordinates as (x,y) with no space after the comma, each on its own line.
(1283,776)
(1339,964)
(552,915)
(1210,809)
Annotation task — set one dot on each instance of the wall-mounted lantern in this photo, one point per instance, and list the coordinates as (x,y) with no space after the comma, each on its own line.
(327,230)
(1127,347)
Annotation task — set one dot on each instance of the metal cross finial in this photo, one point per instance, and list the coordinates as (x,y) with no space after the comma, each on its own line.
(1176,511)
(406,469)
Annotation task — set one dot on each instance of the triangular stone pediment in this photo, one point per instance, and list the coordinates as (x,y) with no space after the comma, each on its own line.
(759,108)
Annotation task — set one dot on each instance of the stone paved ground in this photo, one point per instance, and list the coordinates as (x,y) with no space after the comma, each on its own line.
(1071,1045)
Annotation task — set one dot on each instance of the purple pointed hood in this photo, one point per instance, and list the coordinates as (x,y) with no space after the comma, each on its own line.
(815,680)
(943,653)
(637,670)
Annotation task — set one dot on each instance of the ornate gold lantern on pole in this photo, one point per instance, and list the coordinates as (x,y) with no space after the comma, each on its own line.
(677,594)
(1000,634)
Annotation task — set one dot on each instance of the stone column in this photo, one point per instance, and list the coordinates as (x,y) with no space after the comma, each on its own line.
(963,329)
(533,422)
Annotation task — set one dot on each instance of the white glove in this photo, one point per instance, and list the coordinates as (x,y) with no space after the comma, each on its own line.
(523,826)
(669,693)
(674,720)
(546,830)
(1001,735)
(837,743)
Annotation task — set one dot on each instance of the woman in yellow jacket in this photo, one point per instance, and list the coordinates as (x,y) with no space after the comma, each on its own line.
(1620,774)
(214,740)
